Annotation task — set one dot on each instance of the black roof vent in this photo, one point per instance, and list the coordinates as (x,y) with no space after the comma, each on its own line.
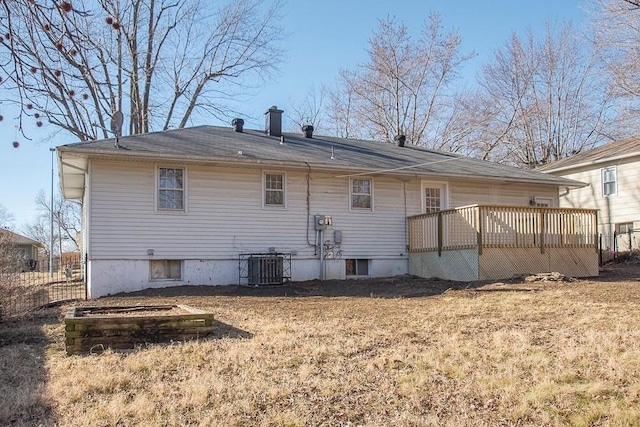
(308,131)
(400,139)
(237,125)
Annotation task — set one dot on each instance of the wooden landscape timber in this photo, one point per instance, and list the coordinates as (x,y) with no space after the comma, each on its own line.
(94,329)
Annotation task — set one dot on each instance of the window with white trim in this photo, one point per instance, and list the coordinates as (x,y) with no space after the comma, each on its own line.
(361,193)
(165,269)
(274,189)
(434,197)
(609,185)
(171,189)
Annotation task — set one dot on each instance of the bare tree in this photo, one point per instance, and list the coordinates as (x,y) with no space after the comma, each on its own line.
(634,3)
(340,115)
(403,88)
(160,62)
(616,34)
(6,217)
(66,223)
(309,111)
(544,99)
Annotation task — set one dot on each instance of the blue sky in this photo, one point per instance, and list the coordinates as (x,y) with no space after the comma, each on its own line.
(323,38)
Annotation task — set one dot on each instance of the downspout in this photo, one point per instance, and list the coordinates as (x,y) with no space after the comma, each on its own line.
(315,246)
(567,190)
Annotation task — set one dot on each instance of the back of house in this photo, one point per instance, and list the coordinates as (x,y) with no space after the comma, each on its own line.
(228,205)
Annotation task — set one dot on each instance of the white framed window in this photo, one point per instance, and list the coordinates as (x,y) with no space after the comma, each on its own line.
(357,267)
(434,196)
(165,269)
(171,189)
(361,194)
(624,227)
(274,190)
(609,181)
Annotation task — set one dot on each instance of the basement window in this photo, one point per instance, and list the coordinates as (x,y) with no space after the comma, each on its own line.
(624,227)
(357,267)
(166,269)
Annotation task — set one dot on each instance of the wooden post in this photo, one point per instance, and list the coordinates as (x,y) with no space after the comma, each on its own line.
(542,227)
(479,228)
(440,233)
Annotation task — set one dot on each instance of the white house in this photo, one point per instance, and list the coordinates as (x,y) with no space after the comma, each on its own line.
(217,205)
(612,176)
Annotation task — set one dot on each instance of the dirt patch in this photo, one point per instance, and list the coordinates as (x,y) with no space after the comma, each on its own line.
(403,286)
(167,310)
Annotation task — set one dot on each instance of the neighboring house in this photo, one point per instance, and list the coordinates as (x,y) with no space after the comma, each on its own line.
(612,175)
(218,205)
(27,248)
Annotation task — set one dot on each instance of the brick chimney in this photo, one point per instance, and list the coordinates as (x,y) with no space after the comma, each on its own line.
(273,121)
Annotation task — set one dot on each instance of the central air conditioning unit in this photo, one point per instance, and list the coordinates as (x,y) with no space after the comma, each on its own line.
(266,270)
(322,222)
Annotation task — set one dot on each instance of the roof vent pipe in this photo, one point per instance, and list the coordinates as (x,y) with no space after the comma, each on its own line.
(308,131)
(400,140)
(273,121)
(237,125)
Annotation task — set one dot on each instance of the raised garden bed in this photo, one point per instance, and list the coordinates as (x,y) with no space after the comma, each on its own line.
(94,329)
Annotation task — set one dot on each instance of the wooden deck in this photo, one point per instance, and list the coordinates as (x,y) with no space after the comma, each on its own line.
(495,242)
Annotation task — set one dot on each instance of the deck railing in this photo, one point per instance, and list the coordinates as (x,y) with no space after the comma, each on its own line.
(486,226)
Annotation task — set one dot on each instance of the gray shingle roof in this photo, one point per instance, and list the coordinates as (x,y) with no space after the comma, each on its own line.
(19,239)
(623,148)
(221,144)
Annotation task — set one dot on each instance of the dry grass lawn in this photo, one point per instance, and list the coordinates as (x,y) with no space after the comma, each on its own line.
(518,353)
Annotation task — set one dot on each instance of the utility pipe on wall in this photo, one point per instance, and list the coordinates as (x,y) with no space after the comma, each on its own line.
(321,254)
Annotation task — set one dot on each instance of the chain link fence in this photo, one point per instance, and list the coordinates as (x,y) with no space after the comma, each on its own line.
(619,247)
(31,284)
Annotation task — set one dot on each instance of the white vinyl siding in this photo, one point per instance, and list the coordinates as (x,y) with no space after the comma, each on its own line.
(622,208)
(226,216)
(465,193)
